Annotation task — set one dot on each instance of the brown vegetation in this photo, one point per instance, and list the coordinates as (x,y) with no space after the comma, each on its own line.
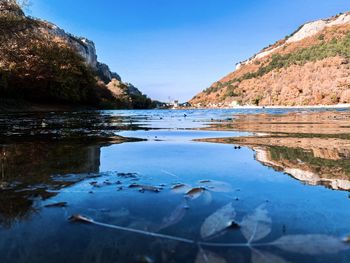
(312,71)
(41,67)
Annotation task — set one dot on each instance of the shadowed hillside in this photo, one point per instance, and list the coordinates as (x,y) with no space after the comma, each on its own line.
(42,64)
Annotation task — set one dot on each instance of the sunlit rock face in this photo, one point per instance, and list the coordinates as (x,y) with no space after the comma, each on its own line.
(308,78)
(312,28)
(85,47)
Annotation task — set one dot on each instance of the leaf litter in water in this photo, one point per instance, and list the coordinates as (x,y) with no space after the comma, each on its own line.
(310,244)
(59,204)
(205,256)
(257,225)
(143,188)
(127,175)
(175,217)
(180,188)
(218,221)
(81,219)
(216,186)
(195,192)
(259,256)
(207,198)
(302,244)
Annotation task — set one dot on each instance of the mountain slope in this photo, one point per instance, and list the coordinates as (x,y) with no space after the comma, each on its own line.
(41,63)
(309,67)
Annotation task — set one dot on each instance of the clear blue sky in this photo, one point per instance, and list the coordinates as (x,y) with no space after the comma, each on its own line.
(177,48)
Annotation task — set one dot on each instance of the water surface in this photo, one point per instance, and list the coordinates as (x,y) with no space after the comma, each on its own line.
(285,173)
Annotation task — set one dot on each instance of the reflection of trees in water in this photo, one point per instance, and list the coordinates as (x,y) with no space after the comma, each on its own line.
(27,171)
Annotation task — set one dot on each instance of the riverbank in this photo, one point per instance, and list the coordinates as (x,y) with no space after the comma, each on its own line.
(336,106)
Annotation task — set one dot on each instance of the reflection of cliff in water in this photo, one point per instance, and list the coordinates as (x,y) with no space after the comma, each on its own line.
(313,160)
(306,167)
(313,147)
(28,172)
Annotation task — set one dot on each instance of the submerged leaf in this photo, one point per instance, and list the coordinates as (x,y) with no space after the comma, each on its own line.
(175,217)
(205,256)
(150,188)
(218,221)
(204,181)
(207,198)
(59,204)
(127,175)
(134,185)
(180,188)
(256,226)
(143,188)
(216,186)
(143,259)
(80,218)
(311,244)
(195,192)
(259,256)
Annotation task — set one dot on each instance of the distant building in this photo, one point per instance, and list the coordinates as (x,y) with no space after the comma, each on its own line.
(175,104)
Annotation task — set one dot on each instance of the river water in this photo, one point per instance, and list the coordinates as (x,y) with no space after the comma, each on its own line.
(236,186)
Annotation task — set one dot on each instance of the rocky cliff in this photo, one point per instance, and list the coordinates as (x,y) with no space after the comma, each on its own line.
(85,47)
(309,67)
(41,62)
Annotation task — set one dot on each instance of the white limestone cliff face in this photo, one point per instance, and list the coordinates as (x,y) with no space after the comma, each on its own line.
(307,30)
(87,50)
(85,47)
(315,27)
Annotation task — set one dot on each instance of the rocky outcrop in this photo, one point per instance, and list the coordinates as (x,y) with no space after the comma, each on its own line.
(105,73)
(55,66)
(133,90)
(313,28)
(309,67)
(131,97)
(119,88)
(86,49)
